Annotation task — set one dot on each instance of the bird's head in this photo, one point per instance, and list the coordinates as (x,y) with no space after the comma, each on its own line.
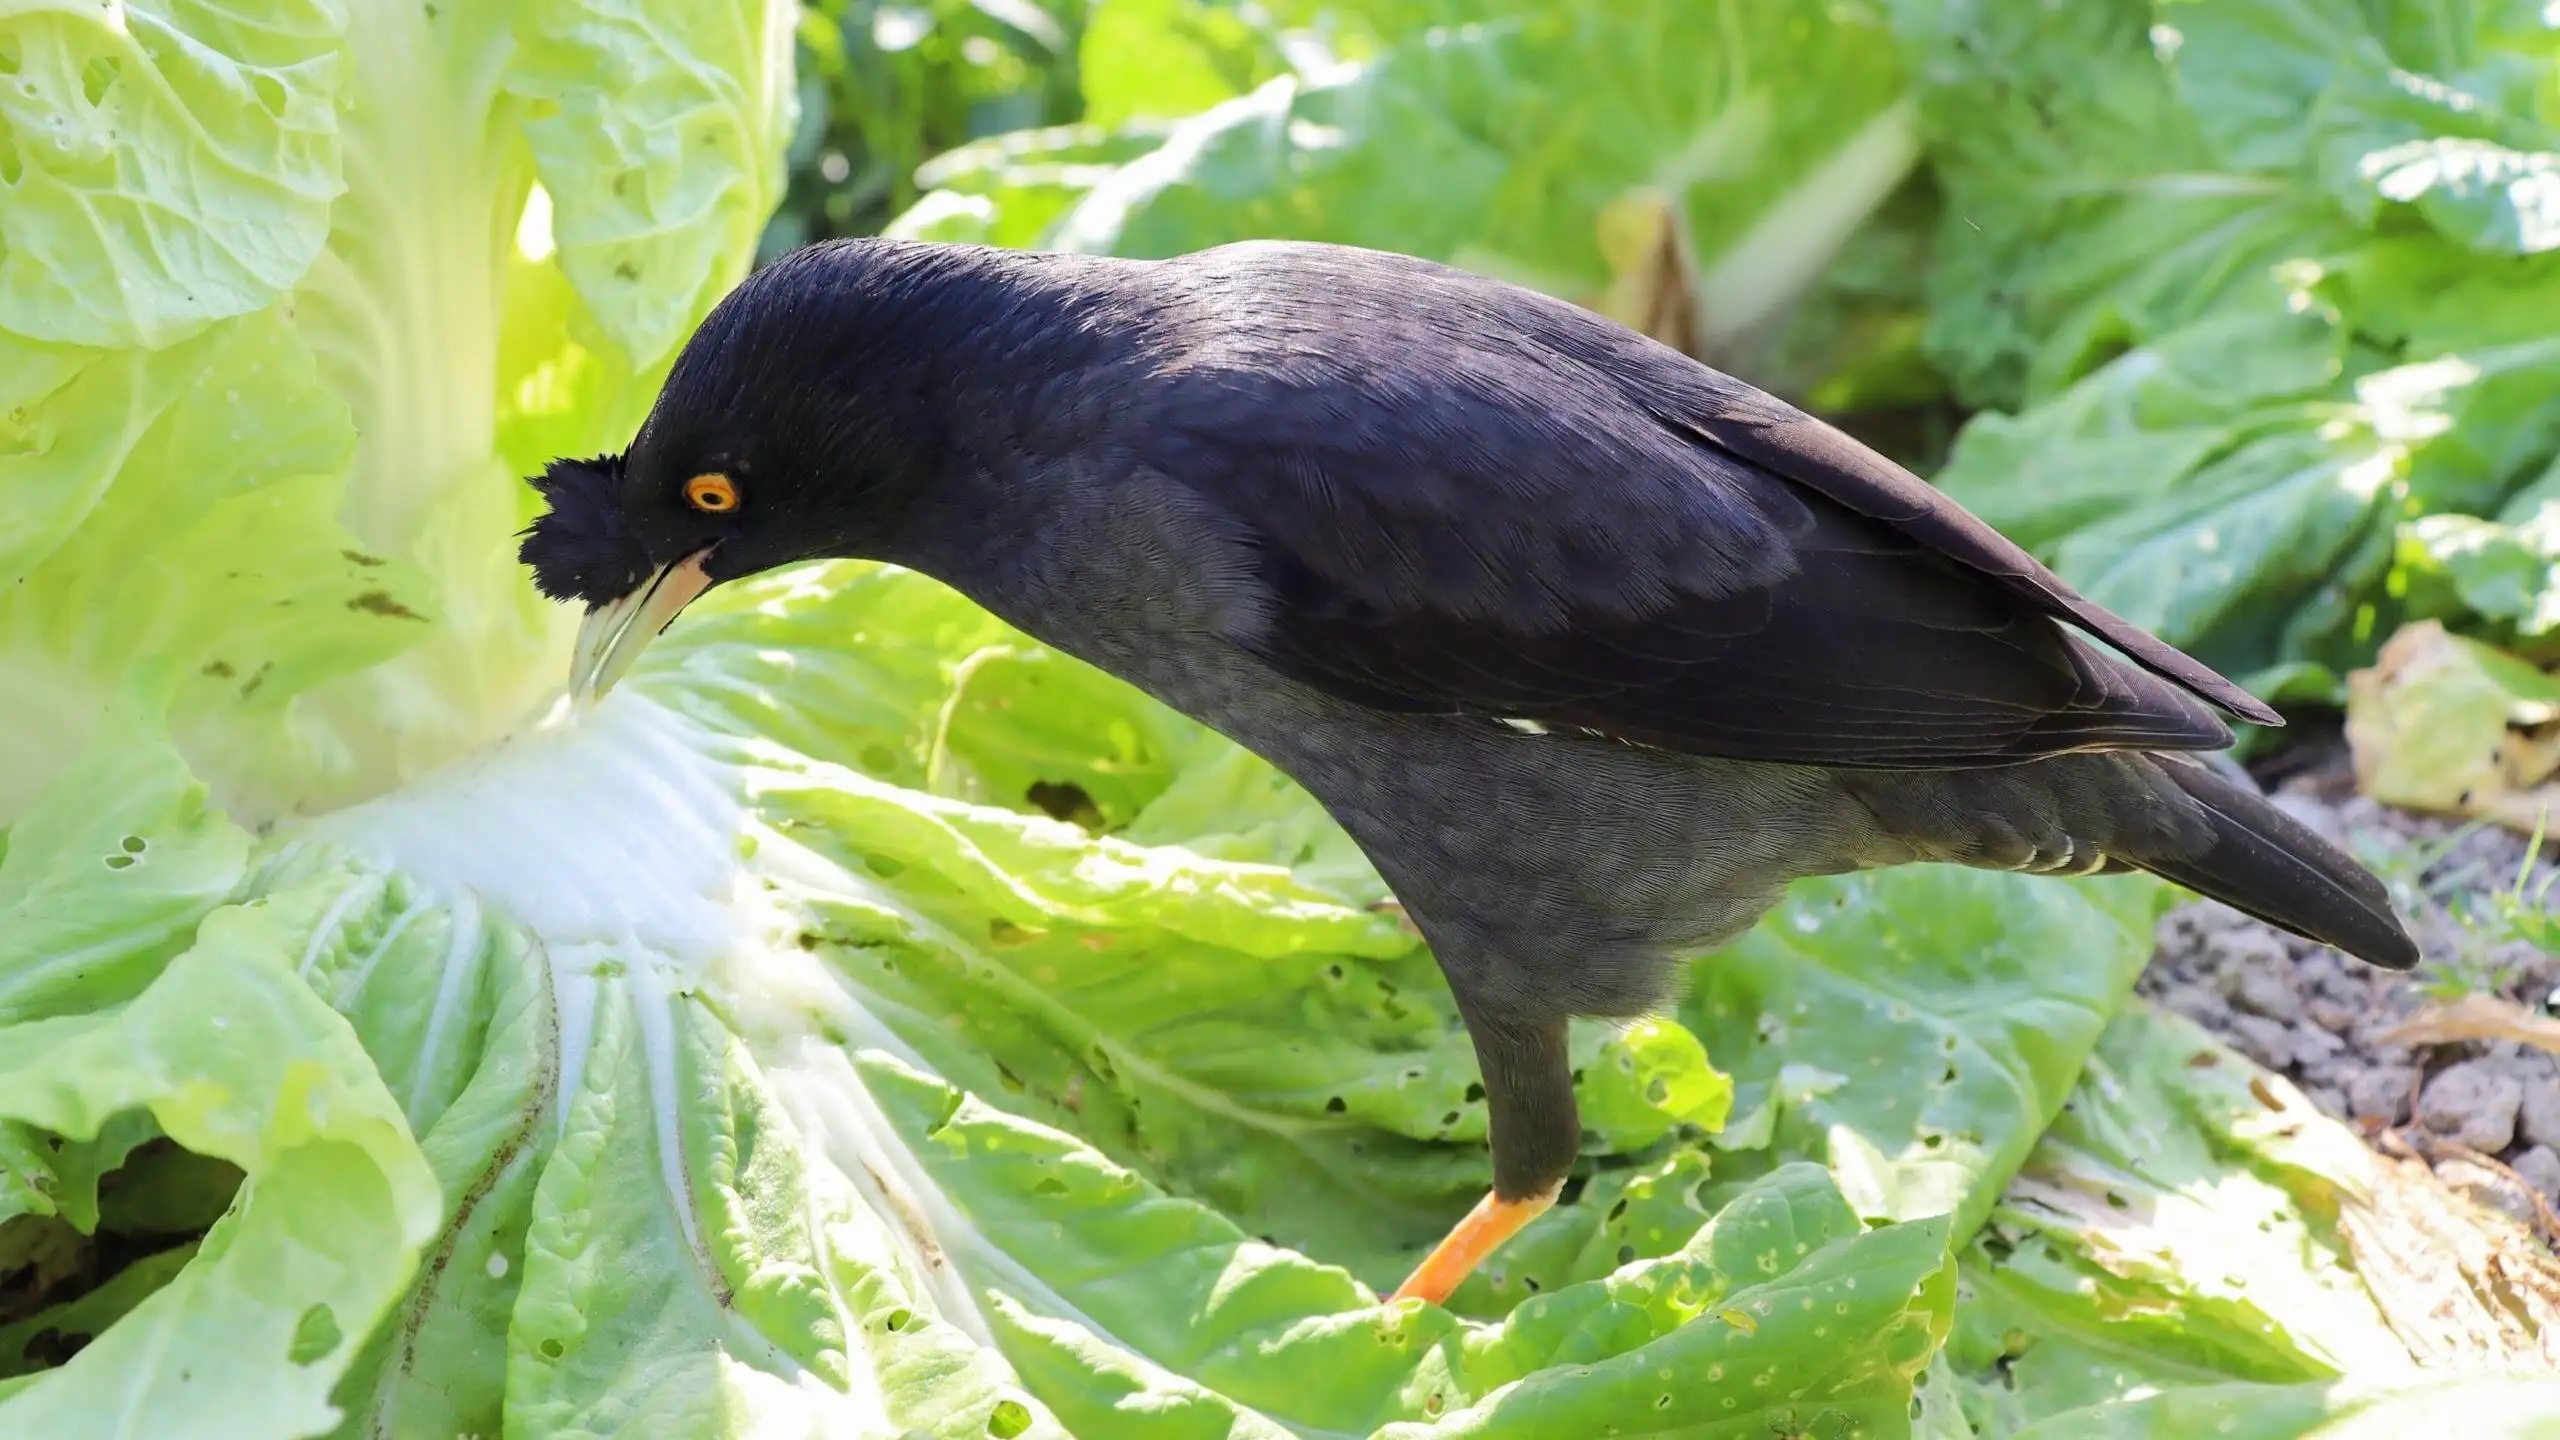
(794,425)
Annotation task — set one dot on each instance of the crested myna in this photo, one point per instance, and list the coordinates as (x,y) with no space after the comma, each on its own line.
(1590,647)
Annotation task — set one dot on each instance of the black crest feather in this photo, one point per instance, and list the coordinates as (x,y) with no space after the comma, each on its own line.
(579,549)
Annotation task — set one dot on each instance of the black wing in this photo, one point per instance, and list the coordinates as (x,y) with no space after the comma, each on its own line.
(1462,498)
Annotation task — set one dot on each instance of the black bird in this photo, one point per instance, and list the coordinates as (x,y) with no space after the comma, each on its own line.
(1591,648)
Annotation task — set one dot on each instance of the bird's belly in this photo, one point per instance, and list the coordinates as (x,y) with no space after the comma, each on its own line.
(1548,866)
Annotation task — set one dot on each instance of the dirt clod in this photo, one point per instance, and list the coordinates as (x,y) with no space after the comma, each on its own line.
(2538,1119)
(2473,1103)
(2539,1167)
(2381,1092)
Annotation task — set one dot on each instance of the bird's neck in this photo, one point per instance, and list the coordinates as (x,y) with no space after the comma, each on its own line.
(987,530)
(1013,396)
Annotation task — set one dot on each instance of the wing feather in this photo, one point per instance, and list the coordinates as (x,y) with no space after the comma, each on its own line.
(1524,513)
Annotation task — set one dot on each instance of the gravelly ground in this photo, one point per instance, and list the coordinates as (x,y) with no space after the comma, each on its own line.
(2485,1113)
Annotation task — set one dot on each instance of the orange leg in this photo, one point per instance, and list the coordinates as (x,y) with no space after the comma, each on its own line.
(1493,1221)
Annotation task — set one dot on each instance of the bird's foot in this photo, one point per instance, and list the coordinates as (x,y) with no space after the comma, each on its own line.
(1493,1221)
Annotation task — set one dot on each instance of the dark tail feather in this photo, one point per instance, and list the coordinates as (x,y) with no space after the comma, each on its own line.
(2265,863)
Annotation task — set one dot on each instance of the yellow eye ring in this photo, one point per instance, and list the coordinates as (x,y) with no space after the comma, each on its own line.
(711,494)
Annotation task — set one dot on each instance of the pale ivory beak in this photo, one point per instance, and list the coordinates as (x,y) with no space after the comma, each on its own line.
(612,636)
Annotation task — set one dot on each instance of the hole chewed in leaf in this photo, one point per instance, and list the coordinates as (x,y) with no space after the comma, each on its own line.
(315,1336)
(1067,801)
(98,77)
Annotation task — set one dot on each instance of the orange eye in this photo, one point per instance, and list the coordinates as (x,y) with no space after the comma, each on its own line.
(711,494)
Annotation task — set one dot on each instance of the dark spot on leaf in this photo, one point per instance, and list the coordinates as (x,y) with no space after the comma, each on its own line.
(379,602)
(2202,1060)
(1626,1254)
(626,270)
(1335,1106)
(1475,1091)
(218,669)
(119,862)
(257,680)
(553,1349)
(360,558)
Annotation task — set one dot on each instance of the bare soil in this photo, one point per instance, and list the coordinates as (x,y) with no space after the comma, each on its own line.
(2484,1112)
